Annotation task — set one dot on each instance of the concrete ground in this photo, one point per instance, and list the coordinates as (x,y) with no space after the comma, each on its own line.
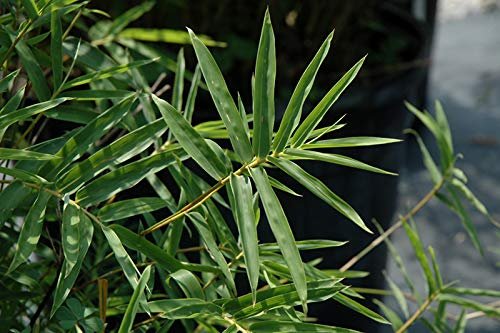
(465,77)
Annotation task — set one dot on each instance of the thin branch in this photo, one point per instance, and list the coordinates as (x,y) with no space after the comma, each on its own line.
(419,312)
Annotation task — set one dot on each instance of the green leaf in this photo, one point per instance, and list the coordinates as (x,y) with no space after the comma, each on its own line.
(263,96)
(188,282)
(398,295)
(179,81)
(293,111)
(22,154)
(24,113)
(212,247)
(193,90)
(121,255)
(104,74)
(11,105)
(131,207)
(133,305)
(31,8)
(467,193)
(23,175)
(33,69)
(314,118)
(167,262)
(76,231)
(444,126)
(282,187)
(127,176)
(472,292)
(167,36)
(245,220)
(429,163)
(311,244)
(355,141)
(461,323)
(418,247)
(129,16)
(66,278)
(191,141)
(290,327)
(222,100)
(117,152)
(336,159)
(319,189)
(184,308)
(392,316)
(6,81)
(488,310)
(91,95)
(352,304)
(30,231)
(56,48)
(465,219)
(281,231)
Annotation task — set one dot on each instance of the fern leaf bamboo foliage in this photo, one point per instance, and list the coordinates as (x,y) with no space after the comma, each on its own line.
(82,251)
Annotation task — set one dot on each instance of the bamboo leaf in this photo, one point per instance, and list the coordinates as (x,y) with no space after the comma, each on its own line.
(461,323)
(184,308)
(131,207)
(56,47)
(24,113)
(212,247)
(350,303)
(418,247)
(429,163)
(104,74)
(127,176)
(117,152)
(290,327)
(133,305)
(392,316)
(223,101)
(398,295)
(263,96)
(467,193)
(76,231)
(319,189)
(336,159)
(281,231)
(282,187)
(355,141)
(191,141)
(129,16)
(193,90)
(167,36)
(188,282)
(6,81)
(314,118)
(31,9)
(22,154)
(33,69)
(245,220)
(30,231)
(488,310)
(179,81)
(167,262)
(70,271)
(23,175)
(91,95)
(312,244)
(293,111)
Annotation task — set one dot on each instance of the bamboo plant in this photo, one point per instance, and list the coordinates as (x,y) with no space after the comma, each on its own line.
(80,255)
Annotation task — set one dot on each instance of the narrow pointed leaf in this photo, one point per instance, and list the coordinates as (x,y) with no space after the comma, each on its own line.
(191,141)
(281,231)
(488,310)
(429,163)
(76,231)
(6,81)
(117,152)
(91,95)
(350,303)
(129,16)
(293,111)
(184,308)
(179,81)
(66,278)
(56,48)
(336,159)
(24,113)
(317,114)
(131,207)
(222,98)
(245,220)
(263,96)
(291,327)
(23,175)
(127,176)
(188,282)
(133,305)
(22,154)
(193,91)
(355,141)
(30,231)
(319,189)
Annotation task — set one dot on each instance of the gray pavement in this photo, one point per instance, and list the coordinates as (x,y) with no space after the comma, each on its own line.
(465,77)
